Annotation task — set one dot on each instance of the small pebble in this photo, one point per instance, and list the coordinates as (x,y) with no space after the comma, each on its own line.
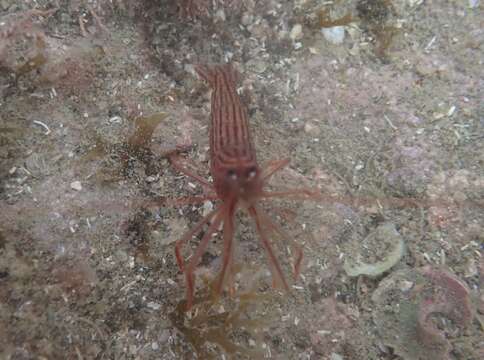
(335,356)
(4,4)
(471,268)
(220,14)
(155,346)
(359,166)
(335,35)
(406,285)
(247,19)
(76,185)
(296,32)
(312,129)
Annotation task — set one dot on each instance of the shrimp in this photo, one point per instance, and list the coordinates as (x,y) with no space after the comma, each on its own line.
(238,182)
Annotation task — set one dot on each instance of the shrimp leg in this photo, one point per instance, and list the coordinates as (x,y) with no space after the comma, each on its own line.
(181,201)
(297,248)
(188,236)
(227,256)
(177,164)
(297,193)
(189,276)
(273,167)
(275,267)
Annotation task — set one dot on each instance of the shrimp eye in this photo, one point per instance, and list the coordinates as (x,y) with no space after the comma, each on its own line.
(251,172)
(231,174)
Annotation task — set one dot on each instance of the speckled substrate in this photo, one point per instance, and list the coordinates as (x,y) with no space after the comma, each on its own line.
(387,124)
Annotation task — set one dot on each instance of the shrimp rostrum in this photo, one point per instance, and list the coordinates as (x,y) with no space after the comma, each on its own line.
(238,182)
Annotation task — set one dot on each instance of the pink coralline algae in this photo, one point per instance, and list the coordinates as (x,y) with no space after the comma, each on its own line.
(410,303)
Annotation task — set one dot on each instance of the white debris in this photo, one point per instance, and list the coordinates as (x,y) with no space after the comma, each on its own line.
(192,185)
(451,111)
(76,185)
(154,306)
(40,123)
(296,32)
(115,119)
(207,208)
(415,3)
(335,35)
(430,43)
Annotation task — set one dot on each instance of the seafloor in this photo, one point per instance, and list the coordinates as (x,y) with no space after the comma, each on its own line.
(379,106)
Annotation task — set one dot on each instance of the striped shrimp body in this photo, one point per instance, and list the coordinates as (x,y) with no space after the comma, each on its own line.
(238,182)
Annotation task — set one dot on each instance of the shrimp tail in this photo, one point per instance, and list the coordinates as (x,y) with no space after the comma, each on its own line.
(216,74)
